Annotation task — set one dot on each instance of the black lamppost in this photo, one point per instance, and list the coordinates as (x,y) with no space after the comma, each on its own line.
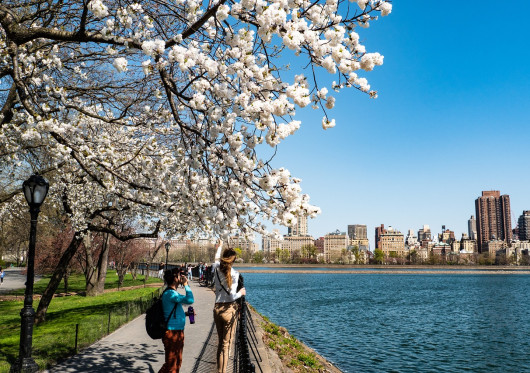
(168,245)
(35,191)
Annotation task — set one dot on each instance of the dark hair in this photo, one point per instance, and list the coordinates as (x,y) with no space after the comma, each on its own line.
(169,275)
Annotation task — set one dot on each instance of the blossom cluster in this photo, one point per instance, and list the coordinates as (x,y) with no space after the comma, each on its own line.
(167,114)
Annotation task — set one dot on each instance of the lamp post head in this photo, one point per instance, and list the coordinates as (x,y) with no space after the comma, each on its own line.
(35,190)
(167,246)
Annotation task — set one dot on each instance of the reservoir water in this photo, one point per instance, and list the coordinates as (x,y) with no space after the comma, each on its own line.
(403,322)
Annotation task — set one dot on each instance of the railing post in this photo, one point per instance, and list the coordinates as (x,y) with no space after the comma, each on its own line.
(76,336)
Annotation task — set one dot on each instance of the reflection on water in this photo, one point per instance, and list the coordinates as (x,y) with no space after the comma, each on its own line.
(403,323)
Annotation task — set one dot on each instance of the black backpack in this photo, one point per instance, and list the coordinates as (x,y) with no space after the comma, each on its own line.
(155,323)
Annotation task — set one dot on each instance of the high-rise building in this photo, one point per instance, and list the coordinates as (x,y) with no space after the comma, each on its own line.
(472,228)
(424,234)
(524,226)
(300,228)
(357,232)
(493,218)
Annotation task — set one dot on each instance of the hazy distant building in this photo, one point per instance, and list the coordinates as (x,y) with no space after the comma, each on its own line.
(523,225)
(295,244)
(392,242)
(300,228)
(468,245)
(411,239)
(447,236)
(378,232)
(242,243)
(269,244)
(492,246)
(319,244)
(334,244)
(357,231)
(361,243)
(493,219)
(472,228)
(424,235)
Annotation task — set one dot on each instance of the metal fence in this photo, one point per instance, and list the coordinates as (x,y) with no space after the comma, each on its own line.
(83,337)
(246,342)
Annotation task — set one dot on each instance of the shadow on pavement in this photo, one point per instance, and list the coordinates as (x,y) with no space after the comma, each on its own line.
(109,359)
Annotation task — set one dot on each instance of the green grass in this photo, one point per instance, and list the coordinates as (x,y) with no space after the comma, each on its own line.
(54,339)
(76,283)
(289,349)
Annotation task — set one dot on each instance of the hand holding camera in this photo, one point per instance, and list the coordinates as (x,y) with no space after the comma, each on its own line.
(183,279)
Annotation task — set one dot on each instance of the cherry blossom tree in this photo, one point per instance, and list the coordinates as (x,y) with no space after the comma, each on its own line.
(161,110)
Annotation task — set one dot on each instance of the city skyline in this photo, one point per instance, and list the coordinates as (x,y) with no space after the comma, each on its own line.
(451,121)
(515,215)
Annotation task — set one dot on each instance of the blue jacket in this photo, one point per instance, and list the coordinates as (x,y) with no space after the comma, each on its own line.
(169,298)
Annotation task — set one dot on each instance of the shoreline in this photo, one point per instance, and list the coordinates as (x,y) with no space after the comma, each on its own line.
(278,364)
(386,272)
(382,269)
(385,266)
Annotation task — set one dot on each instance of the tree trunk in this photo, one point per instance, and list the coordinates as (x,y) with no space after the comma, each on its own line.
(90,269)
(134,270)
(122,271)
(65,277)
(102,267)
(56,278)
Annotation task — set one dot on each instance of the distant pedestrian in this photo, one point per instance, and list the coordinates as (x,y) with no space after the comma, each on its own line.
(1,275)
(225,310)
(161,270)
(190,275)
(173,339)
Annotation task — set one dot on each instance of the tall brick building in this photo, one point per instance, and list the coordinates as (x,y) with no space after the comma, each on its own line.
(524,226)
(493,218)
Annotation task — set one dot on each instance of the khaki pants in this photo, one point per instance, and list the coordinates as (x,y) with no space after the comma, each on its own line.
(224,315)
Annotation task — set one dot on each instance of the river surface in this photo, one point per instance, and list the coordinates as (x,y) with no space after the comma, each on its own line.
(403,322)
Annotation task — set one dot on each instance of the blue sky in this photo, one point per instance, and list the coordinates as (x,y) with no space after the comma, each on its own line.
(451,120)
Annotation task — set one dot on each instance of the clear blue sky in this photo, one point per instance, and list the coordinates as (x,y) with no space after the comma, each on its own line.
(452,119)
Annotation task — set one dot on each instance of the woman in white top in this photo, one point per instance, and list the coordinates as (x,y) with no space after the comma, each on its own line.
(225,310)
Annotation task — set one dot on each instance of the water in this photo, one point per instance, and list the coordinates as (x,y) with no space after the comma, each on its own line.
(403,322)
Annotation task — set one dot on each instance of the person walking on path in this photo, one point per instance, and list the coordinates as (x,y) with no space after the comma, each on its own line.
(1,275)
(225,309)
(190,274)
(172,301)
(161,270)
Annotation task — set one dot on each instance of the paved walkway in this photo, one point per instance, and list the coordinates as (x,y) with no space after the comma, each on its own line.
(15,278)
(130,349)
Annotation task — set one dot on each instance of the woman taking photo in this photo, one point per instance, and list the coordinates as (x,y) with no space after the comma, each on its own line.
(225,310)
(172,301)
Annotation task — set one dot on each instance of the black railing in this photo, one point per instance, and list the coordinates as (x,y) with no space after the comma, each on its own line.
(246,342)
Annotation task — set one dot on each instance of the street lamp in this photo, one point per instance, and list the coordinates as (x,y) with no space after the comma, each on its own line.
(168,245)
(35,191)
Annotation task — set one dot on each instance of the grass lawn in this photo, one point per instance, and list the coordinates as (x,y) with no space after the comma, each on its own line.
(96,316)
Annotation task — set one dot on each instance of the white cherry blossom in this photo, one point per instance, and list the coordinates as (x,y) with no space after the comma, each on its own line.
(179,138)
